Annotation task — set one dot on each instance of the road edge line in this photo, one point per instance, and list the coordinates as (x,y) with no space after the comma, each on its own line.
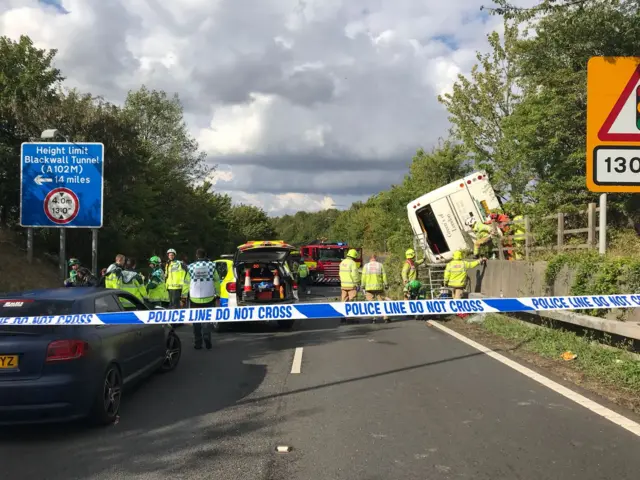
(591,405)
(296,366)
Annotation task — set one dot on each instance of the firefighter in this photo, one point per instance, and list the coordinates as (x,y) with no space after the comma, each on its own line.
(175,273)
(482,232)
(374,282)
(519,235)
(409,272)
(455,273)
(156,287)
(349,279)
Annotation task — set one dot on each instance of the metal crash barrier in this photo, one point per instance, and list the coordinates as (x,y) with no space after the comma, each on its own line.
(303,311)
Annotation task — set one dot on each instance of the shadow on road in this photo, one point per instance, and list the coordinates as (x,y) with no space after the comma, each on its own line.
(216,406)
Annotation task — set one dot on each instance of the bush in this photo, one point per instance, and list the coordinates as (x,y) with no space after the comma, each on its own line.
(596,274)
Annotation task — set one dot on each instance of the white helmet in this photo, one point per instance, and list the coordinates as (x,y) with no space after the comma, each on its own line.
(470,222)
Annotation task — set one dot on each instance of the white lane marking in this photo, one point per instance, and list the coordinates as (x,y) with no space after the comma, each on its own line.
(296,367)
(596,408)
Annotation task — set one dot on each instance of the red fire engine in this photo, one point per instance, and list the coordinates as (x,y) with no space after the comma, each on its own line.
(323,259)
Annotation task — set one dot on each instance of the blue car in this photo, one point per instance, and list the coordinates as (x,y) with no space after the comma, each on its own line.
(66,372)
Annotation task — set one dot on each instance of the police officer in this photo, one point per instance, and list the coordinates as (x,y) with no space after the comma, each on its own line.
(204,289)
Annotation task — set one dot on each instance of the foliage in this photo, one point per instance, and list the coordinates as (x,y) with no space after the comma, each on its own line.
(521,115)
(155,195)
(249,223)
(478,107)
(612,367)
(380,224)
(305,227)
(595,274)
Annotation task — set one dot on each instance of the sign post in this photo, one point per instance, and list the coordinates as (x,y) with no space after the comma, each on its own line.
(613,125)
(62,187)
(613,130)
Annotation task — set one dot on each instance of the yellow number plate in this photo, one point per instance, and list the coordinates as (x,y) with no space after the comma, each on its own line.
(8,361)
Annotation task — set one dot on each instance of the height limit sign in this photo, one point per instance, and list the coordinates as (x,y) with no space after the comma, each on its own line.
(61,185)
(613,124)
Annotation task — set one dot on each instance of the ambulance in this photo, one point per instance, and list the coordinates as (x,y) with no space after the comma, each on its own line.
(259,274)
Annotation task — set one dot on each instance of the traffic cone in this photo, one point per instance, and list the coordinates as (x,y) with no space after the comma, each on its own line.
(247,280)
(276,283)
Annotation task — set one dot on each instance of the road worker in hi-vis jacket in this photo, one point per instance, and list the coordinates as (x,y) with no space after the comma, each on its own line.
(175,273)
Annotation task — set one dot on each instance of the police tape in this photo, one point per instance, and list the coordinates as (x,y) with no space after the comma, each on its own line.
(303,311)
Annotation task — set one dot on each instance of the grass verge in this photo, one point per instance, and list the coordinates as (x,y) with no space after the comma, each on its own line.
(612,373)
(611,366)
(17,274)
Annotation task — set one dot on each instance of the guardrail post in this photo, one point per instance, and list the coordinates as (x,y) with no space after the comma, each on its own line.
(602,244)
(591,225)
(527,237)
(560,230)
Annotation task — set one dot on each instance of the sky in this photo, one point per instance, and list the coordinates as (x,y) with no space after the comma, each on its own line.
(301,104)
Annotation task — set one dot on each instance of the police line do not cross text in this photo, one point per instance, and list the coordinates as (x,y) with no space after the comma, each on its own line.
(304,311)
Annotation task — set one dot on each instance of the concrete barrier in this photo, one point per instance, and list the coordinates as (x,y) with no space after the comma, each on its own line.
(526,279)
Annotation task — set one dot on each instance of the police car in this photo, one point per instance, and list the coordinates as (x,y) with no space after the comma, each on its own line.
(259,274)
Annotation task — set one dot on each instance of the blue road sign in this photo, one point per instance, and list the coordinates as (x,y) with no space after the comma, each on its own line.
(61,185)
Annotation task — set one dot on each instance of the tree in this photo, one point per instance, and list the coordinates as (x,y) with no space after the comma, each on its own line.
(28,93)
(478,107)
(550,121)
(250,223)
(158,120)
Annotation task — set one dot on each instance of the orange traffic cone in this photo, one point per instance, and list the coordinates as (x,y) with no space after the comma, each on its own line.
(247,280)
(276,283)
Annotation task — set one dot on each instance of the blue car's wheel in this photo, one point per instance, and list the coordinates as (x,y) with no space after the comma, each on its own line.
(106,405)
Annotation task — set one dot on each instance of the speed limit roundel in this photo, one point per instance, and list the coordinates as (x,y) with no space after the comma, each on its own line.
(61,205)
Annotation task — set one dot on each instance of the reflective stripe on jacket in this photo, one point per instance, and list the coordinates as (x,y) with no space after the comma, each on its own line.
(518,228)
(132,283)
(176,275)
(481,230)
(303,270)
(455,273)
(374,277)
(113,277)
(156,287)
(409,271)
(349,275)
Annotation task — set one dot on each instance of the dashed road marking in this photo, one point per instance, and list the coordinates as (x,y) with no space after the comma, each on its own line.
(595,407)
(296,366)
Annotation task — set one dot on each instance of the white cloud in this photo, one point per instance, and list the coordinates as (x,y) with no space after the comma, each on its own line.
(300,103)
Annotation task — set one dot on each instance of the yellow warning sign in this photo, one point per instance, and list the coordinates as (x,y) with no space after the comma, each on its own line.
(613,124)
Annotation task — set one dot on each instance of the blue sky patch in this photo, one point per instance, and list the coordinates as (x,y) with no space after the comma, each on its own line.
(448,40)
(57,4)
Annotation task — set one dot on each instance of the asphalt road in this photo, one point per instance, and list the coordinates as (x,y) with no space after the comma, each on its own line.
(396,401)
